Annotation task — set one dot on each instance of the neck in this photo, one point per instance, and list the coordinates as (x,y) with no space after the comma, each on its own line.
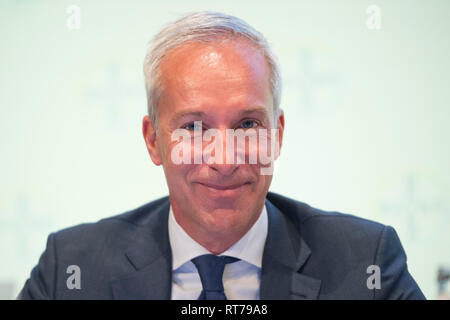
(216,239)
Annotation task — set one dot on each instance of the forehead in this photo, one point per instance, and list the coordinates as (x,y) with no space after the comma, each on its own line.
(222,53)
(219,69)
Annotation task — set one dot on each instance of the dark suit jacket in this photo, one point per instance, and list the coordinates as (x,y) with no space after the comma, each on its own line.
(309,254)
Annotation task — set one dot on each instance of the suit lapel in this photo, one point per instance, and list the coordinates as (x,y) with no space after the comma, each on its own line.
(285,253)
(151,258)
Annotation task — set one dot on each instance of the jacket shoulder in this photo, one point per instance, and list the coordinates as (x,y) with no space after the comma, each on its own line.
(128,220)
(301,212)
(95,249)
(318,226)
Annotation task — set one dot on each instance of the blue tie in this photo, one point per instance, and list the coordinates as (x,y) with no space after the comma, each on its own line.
(210,269)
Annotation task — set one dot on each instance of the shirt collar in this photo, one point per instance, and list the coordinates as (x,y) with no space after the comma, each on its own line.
(249,248)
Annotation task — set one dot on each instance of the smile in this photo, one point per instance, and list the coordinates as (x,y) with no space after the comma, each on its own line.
(219,187)
(223,190)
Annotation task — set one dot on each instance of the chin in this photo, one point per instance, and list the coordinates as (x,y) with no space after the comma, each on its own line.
(224,220)
(223,206)
(216,200)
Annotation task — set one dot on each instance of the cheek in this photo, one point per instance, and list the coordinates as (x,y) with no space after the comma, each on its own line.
(176,173)
(261,182)
(260,147)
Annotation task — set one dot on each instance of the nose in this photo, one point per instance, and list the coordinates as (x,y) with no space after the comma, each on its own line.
(224,163)
(224,169)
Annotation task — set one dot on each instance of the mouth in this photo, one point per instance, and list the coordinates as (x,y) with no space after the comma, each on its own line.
(229,190)
(223,187)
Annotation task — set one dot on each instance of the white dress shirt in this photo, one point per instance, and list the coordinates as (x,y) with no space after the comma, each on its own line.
(241,279)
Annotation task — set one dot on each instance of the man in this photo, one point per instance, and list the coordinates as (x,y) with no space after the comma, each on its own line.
(220,234)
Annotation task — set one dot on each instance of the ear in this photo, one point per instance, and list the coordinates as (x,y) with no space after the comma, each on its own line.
(280,127)
(149,132)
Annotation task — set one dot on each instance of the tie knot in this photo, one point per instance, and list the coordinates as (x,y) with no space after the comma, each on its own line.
(210,269)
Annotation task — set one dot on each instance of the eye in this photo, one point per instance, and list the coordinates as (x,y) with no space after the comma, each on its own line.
(192,126)
(248,124)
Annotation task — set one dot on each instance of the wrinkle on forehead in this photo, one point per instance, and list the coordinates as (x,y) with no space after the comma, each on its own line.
(223,77)
(221,61)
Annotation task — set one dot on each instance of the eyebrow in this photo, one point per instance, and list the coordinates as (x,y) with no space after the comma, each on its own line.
(185,113)
(261,110)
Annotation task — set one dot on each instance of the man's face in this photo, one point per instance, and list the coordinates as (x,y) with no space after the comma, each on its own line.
(225,86)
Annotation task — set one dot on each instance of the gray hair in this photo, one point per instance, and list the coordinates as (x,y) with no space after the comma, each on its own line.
(203,27)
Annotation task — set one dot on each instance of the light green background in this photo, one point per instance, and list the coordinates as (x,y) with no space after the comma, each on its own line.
(367,114)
